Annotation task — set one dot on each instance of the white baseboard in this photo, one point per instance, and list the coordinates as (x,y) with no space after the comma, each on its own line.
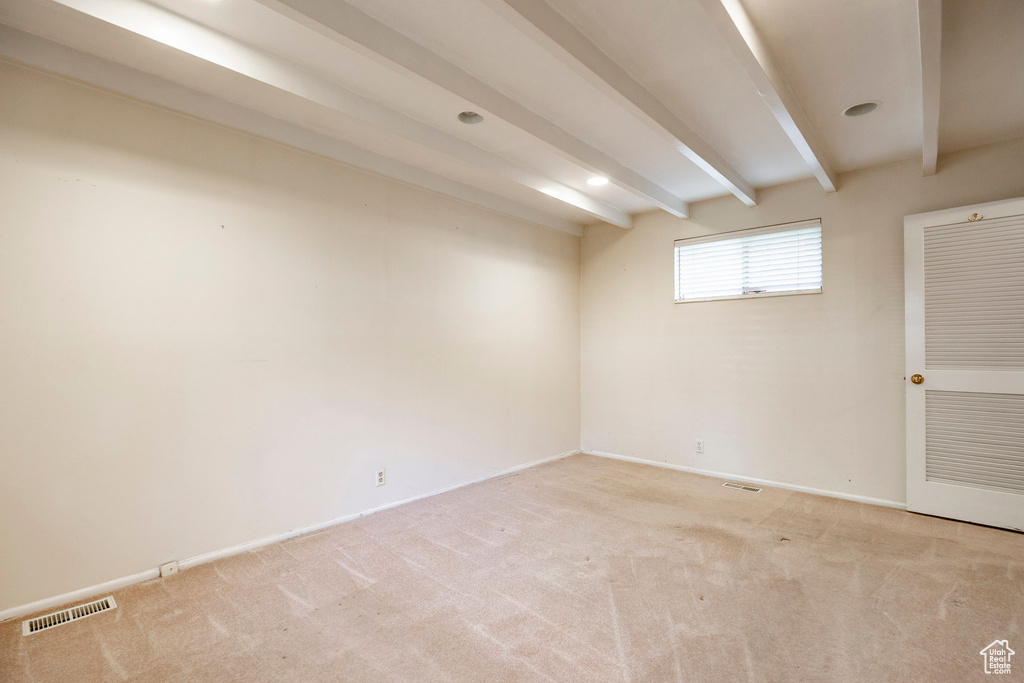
(75,596)
(115,584)
(750,480)
(268,540)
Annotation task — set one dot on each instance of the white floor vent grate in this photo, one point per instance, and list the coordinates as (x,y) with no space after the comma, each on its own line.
(66,616)
(741,487)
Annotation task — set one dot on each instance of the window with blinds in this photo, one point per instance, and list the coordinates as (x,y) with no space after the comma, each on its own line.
(773,261)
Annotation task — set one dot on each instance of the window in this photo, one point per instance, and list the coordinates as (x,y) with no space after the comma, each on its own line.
(772,261)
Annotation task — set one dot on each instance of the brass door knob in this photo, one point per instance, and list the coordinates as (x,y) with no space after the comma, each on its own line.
(917,379)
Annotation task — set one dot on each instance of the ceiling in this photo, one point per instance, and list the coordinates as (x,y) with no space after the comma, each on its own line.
(673,101)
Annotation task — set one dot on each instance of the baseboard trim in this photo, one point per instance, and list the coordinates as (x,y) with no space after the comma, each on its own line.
(77,595)
(751,480)
(269,540)
(115,584)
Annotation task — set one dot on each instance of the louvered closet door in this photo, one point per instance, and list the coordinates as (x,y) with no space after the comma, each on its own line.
(965,346)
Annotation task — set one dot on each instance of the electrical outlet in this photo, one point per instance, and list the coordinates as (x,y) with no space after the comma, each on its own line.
(380,477)
(700,446)
(169,569)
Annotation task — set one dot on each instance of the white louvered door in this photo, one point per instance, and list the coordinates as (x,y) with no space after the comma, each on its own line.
(965,342)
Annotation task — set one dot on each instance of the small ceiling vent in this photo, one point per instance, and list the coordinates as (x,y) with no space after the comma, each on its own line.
(861,109)
(741,487)
(470,117)
(66,616)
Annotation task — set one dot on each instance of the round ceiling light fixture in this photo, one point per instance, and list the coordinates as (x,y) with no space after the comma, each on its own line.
(862,108)
(470,117)
(597,181)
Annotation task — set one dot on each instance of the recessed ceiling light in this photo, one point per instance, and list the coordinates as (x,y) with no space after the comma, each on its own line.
(597,180)
(861,109)
(470,117)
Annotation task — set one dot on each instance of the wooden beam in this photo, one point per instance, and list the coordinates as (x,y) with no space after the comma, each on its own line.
(205,43)
(740,34)
(356,29)
(555,33)
(929,17)
(39,53)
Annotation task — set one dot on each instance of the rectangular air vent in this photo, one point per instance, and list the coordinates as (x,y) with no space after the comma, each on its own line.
(741,487)
(68,615)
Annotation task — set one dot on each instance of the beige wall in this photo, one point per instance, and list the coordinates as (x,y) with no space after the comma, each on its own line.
(207,339)
(804,390)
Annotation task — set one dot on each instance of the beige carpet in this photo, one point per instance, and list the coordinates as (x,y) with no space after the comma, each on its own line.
(584,569)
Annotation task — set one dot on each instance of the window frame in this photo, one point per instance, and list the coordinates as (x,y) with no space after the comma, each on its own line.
(738,234)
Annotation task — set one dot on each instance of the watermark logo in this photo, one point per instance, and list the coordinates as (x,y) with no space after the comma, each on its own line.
(997,657)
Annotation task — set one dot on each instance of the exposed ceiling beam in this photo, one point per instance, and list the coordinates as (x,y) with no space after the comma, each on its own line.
(51,57)
(549,29)
(187,36)
(358,30)
(929,17)
(740,34)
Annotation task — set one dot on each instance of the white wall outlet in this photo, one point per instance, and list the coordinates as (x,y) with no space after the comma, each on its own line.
(379,475)
(700,446)
(169,569)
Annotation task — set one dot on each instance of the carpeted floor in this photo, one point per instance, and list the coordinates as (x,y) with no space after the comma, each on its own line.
(584,569)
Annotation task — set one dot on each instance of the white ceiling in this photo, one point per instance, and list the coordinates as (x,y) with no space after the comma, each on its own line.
(837,54)
(673,100)
(982,73)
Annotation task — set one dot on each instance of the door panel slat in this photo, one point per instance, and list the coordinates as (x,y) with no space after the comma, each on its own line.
(975,439)
(974,295)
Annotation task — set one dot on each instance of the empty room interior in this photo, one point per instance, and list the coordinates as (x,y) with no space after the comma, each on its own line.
(511,340)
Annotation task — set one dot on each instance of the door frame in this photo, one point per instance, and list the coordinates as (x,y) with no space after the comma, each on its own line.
(934,498)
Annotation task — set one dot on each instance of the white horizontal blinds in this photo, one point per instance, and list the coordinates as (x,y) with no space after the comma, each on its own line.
(709,270)
(975,439)
(783,262)
(974,295)
(763,262)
